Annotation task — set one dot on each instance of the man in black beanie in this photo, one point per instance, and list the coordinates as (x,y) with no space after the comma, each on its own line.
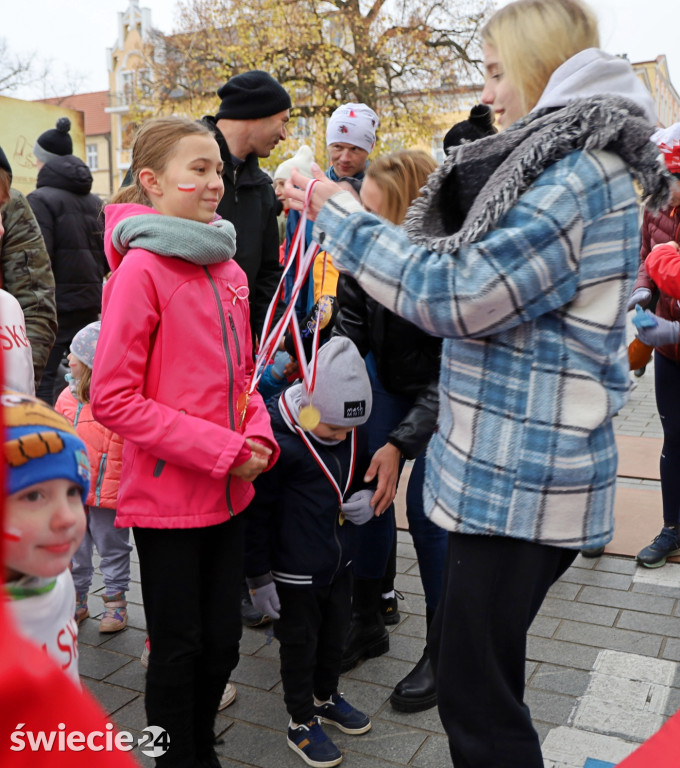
(250,122)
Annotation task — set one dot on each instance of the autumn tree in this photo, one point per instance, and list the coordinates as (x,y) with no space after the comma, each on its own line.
(399,56)
(22,70)
(16,70)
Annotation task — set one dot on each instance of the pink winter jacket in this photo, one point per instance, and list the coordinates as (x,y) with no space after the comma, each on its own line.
(173,355)
(104,449)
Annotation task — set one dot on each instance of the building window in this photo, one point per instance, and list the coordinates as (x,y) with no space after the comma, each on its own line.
(92,156)
(128,83)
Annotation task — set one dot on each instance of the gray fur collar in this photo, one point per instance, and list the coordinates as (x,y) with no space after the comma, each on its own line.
(484,179)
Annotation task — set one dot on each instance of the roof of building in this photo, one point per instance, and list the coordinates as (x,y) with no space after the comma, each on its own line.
(97,121)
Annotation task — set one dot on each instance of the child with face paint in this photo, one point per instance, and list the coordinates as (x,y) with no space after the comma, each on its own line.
(170,376)
(48,479)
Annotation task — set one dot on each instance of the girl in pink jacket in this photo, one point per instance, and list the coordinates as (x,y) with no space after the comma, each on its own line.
(105,449)
(171,376)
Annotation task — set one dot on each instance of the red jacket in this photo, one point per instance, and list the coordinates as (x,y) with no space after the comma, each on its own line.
(173,355)
(104,449)
(658,228)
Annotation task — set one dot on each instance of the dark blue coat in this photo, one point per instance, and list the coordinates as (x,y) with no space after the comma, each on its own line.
(293,524)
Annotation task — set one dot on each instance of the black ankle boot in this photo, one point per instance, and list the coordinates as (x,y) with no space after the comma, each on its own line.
(367,636)
(417,691)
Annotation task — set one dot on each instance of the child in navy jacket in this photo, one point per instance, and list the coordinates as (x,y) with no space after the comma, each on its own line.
(301,537)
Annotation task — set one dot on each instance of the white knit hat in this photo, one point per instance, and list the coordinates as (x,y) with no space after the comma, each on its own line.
(354,124)
(302,160)
(668,136)
(343,390)
(668,142)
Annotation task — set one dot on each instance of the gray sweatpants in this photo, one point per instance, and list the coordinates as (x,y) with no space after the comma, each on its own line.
(114,548)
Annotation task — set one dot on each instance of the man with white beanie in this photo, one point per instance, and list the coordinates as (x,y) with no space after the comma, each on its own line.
(350,138)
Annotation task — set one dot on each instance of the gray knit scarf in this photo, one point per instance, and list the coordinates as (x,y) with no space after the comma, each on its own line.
(481,181)
(192,241)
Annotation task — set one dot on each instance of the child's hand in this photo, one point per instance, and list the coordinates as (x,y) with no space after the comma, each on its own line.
(357,509)
(384,464)
(264,596)
(663,332)
(257,463)
(292,369)
(641,296)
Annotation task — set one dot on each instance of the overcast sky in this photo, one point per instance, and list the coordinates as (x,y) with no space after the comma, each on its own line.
(73,35)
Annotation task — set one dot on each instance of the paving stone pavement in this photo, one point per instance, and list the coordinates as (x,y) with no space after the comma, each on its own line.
(602,664)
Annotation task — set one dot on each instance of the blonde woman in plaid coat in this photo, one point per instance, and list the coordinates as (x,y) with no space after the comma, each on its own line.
(521,255)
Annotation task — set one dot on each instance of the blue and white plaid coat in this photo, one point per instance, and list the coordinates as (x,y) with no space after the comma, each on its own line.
(534,361)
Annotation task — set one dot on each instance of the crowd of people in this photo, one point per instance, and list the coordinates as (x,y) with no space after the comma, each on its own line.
(253,359)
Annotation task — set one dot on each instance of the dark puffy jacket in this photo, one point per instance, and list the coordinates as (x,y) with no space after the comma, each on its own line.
(407,360)
(250,204)
(658,228)
(293,526)
(72,226)
(27,275)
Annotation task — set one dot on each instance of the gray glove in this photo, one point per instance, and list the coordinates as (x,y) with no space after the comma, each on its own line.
(357,508)
(664,332)
(264,595)
(641,296)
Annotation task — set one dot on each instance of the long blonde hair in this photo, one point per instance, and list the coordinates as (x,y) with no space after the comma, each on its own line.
(152,147)
(83,384)
(534,37)
(400,176)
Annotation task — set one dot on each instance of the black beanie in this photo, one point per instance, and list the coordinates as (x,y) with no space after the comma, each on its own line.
(54,143)
(477,126)
(251,95)
(4,163)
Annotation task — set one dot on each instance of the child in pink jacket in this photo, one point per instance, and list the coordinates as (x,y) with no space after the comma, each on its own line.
(171,376)
(105,451)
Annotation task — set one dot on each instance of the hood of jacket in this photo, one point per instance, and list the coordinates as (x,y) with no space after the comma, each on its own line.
(114,214)
(593,72)
(68,172)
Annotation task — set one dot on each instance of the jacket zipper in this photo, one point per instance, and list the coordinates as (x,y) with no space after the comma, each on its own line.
(77,416)
(100,478)
(335,522)
(236,344)
(225,344)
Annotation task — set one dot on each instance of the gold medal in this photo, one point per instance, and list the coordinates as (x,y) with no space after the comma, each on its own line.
(242,405)
(309,417)
(341,516)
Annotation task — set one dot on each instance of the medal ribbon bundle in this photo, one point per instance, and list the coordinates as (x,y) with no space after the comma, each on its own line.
(303,260)
(310,447)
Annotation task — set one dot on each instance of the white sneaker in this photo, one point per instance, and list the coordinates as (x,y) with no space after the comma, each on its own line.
(144,659)
(228,697)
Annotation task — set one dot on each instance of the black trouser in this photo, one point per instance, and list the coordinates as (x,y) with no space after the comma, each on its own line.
(312,630)
(493,588)
(191,586)
(666,383)
(69,324)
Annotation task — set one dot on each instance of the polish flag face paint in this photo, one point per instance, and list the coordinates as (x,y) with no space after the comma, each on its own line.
(12,534)
(186,187)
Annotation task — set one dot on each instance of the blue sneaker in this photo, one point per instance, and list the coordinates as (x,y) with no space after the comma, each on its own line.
(338,712)
(313,746)
(667,543)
